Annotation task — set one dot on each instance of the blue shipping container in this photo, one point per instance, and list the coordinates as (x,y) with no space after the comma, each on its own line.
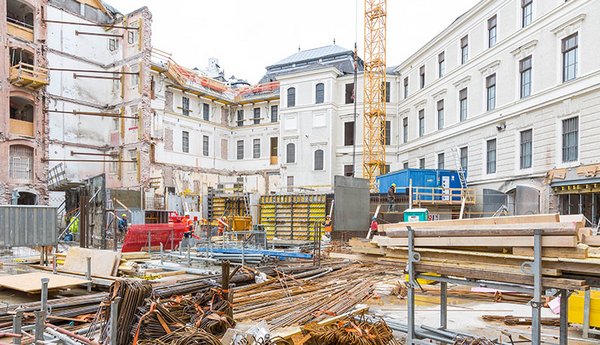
(427,183)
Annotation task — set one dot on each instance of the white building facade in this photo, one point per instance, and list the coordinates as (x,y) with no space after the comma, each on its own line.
(510,91)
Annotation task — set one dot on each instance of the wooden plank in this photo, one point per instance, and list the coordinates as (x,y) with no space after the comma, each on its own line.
(593,241)
(524,229)
(579,252)
(31,282)
(104,262)
(487,274)
(507,241)
(536,218)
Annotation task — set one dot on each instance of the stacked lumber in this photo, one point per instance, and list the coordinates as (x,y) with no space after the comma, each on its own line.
(493,249)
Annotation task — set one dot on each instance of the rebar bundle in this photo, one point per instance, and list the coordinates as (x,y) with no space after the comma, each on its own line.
(133,294)
(351,331)
(184,336)
(473,341)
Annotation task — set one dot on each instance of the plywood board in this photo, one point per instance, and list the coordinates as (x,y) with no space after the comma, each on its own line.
(506,241)
(536,218)
(32,282)
(104,262)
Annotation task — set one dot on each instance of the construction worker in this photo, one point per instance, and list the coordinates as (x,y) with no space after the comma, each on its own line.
(327,227)
(123,224)
(374,226)
(391,196)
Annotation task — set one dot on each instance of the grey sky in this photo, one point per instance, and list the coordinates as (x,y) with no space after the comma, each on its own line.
(248,35)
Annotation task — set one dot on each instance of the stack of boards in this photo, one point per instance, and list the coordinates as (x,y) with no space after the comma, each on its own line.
(493,249)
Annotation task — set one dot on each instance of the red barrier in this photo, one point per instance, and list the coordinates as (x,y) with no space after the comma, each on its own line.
(169,235)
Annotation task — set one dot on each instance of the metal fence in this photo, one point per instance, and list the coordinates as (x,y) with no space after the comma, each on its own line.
(28,226)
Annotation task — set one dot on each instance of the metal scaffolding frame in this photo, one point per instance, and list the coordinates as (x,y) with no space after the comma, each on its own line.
(534,268)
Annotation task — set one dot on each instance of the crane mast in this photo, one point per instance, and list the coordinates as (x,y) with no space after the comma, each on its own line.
(374,90)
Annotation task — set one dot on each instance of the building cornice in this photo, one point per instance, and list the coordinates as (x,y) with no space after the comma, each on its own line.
(569,27)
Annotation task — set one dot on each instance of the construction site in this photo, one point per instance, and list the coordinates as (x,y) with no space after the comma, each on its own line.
(449,198)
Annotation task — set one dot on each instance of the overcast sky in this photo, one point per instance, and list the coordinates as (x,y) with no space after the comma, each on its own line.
(248,35)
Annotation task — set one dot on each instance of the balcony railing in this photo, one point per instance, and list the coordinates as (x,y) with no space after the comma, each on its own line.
(443,196)
(29,76)
(19,29)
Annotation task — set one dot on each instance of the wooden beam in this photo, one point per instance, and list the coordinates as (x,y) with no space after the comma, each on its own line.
(525,229)
(537,218)
(506,241)
(579,252)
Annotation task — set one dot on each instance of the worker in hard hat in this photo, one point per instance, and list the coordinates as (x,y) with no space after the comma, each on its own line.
(327,227)
(374,226)
(391,196)
(123,224)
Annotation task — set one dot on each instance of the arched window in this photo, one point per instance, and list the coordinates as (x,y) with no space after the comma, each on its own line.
(290,153)
(21,163)
(319,160)
(319,93)
(291,97)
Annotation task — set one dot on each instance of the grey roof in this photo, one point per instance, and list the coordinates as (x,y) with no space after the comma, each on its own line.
(313,54)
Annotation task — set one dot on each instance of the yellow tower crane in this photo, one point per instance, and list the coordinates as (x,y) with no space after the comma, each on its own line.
(374,89)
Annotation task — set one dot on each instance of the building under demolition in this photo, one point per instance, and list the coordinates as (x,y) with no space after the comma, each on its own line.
(89,95)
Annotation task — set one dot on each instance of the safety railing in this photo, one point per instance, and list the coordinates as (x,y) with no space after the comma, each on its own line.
(443,196)
(30,76)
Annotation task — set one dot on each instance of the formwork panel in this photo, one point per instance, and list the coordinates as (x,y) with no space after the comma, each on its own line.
(28,226)
(292,217)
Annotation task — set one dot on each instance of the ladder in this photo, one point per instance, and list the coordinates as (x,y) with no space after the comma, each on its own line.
(459,168)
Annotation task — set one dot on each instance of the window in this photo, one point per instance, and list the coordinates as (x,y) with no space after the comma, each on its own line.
(224,149)
(349,133)
(422,77)
(490,86)
(569,51)
(319,93)
(526,148)
(421,122)
(113,44)
(240,149)
(525,71)
(463,104)
(131,37)
(274,113)
(349,93)
(256,148)
(406,87)
(240,117)
(441,64)
(133,157)
(290,184)
(441,161)
(319,160)
(185,141)
(205,145)
(387,133)
(570,139)
(491,156)
(185,106)
(464,49)
(348,170)
(422,163)
(526,12)
(291,97)
(405,130)
(205,111)
(274,150)
(464,158)
(290,150)
(256,116)
(440,114)
(387,91)
(405,165)
(135,78)
(21,163)
(386,169)
(492,31)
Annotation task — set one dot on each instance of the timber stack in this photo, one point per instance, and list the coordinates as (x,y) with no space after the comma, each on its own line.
(493,249)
